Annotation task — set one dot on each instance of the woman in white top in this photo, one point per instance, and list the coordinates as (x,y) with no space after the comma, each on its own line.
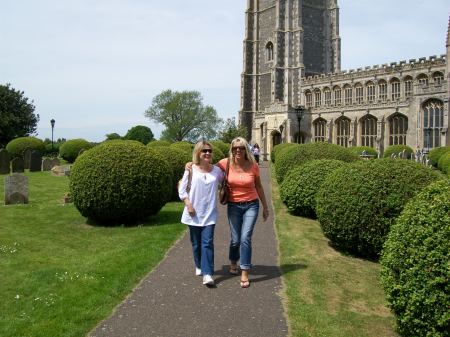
(199,194)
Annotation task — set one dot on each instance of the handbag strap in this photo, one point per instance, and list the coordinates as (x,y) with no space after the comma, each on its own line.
(188,187)
(227,170)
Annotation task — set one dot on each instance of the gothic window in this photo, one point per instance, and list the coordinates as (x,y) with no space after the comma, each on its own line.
(308,97)
(438,77)
(433,121)
(269,51)
(398,126)
(408,86)
(320,126)
(368,131)
(343,131)
(382,90)
(337,95)
(422,79)
(348,94)
(359,95)
(370,92)
(317,98)
(327,94)
(395,89)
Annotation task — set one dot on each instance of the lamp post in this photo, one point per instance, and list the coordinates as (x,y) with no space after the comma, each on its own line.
(52,123)
(299,111)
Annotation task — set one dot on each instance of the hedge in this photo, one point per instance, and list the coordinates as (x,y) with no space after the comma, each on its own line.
(435,154)
(278,148)
(17,146)
(444,163)
(358,150)
(415,264)
(397,149)
(157,143)
(222,146)
(70,149)
(185,146)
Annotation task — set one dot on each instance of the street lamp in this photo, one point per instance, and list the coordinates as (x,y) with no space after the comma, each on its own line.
(52,122)
(299,111)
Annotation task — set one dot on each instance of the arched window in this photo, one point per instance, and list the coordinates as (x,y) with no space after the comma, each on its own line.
(438,77)
(398,127)
(370,87)
(317,98)
(433,121)
(269,51)
(395,89)
(382,90)
(320,126)
(308,98)
(359,94)
(327,96)
(422,79)
(408,80)
(337,95)
(348,94)
(343,131)
(368,131)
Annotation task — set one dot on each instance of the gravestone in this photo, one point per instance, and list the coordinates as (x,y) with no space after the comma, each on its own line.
(61,171)
(26,158)
(35,161)
(55,162)
(4,162)
(17,165)
(16,189)
(47,164)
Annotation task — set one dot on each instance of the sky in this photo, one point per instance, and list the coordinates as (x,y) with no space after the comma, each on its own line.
(95,65)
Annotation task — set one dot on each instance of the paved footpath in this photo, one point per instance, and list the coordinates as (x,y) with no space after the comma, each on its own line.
(172,302)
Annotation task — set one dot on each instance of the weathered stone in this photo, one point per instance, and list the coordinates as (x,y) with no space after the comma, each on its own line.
(4,162)
(61,171)
(35,161)
(47,164)
(55,162)
(26,158)
(17,165)
(16,189)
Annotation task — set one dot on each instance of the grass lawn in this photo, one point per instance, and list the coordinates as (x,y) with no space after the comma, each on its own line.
(60,277)
(327,294)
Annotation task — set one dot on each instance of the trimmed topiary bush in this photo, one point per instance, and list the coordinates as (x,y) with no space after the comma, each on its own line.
(70,149)
(158,143)
(444,163)
(223,147)
(299,188)
(277,149)
(437,153)
(185,146)
(358,150)
(293,156)
(120,182)
(415,264)
(17,146)
(396,149)
(357,204)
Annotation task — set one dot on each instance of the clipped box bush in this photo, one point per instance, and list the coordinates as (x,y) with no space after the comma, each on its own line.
(185,146)
(120,182)
(17,146)
(435,154)
(415,264)
(299,188)
(397,149)
(158,143)
(444,163)
(357,204)
(296,155)
(277,149)
(222,146)
(358,150)
(70,149)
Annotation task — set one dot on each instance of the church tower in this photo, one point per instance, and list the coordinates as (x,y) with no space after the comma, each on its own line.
(285,40)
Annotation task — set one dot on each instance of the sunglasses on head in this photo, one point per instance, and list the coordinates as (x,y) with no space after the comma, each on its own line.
(235,148)
(207,150)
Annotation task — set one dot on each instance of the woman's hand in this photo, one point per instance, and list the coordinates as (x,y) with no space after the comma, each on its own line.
(191,210)
(188,166)
(265,213)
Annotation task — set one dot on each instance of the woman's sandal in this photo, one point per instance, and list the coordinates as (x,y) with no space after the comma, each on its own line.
(234,270)
(245,284)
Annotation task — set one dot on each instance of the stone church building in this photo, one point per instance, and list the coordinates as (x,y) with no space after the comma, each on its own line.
(293,88)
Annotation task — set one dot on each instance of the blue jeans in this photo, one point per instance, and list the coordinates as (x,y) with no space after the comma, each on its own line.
(202,239)
(242,218)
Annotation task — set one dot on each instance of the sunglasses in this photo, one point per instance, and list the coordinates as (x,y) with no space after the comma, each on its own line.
(207,150)
(235,148)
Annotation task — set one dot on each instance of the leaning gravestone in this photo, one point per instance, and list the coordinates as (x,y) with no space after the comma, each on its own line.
(47,164)
(35,161)
(16,189)
(26,158)
(17,165)
(4,162)
(55,162)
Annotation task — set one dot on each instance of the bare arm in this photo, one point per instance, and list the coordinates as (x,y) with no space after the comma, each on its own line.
(262,197)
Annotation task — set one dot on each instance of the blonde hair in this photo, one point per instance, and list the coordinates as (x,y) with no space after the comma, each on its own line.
(197,149)
(248,153)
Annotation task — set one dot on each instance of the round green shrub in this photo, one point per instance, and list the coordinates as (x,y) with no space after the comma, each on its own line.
(17,146)
(120,182)
(415,264)
(293,156)
(299,188)
(51,151)
(435,154)
(185,146)
(358,150)
(357,204)
(444,163)
(217,154)
(70,149)
(223,147)
(158,143)
(177,160)
(397,149)
(277,148)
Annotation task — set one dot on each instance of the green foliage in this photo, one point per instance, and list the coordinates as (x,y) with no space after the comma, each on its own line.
(217,154)
(435,154)
(184,116)
(444,163)
(358,150)
(357,204)
(299,188)
(141,133)
(120,182)
(277,149)
(230,131)
(224,147)
(17,146)
(300,153)
(185,146)
(17,118)
(113,136)
(70,149)
(157,143)
(415,264)
(396,149)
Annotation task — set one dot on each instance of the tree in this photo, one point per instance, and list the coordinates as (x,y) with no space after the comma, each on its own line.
(112,136)
(184,116)
(140,133)
(231,131)
(17,118)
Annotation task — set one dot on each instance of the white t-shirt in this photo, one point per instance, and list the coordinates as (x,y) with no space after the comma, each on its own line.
(203,196)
